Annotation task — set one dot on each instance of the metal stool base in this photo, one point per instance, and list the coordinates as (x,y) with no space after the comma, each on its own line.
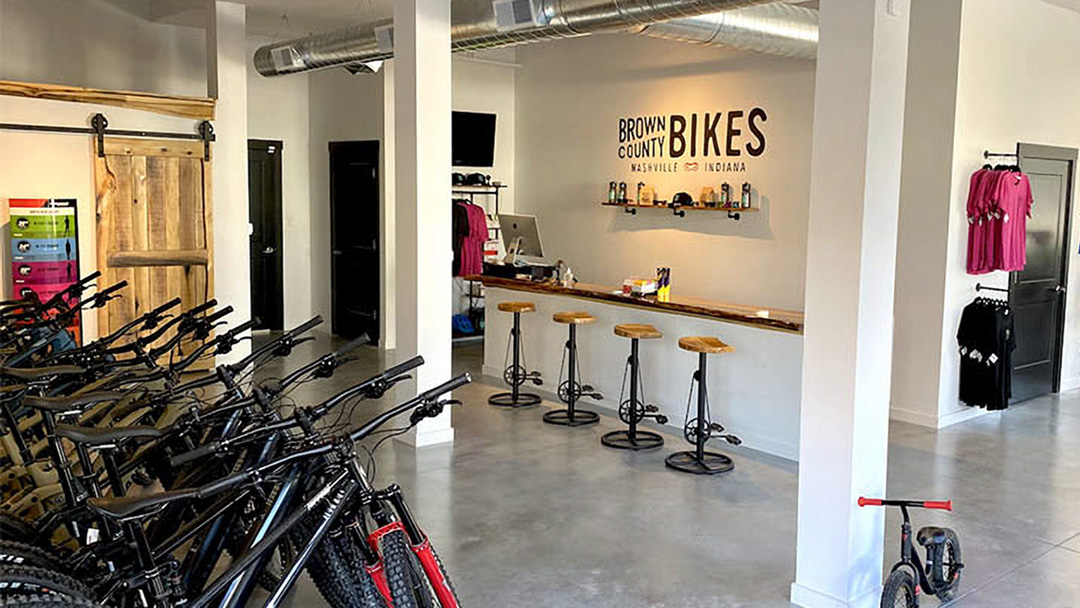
(562,418)
(711,464)
(507,400)
(643,440)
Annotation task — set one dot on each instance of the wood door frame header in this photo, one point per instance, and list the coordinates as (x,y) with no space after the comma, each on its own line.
(198,108)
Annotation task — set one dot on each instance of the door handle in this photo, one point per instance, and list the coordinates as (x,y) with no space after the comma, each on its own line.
(1059,289)
(269,250)
(336,252)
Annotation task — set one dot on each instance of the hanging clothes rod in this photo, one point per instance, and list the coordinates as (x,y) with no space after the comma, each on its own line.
(99,128)
(981,287)
(989,154)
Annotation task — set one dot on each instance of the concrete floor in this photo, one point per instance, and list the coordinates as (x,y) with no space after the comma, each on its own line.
(528,514)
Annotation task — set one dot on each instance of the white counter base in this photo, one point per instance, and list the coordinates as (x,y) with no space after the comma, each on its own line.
(754,392)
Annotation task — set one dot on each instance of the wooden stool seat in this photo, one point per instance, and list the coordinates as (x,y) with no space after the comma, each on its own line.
(705,344)
(637,331)
(573,318)
(517,306)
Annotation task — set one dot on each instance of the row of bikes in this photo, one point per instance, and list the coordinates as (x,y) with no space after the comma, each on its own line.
(127,483)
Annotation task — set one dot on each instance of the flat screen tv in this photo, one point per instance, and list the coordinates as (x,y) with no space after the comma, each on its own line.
(473,136)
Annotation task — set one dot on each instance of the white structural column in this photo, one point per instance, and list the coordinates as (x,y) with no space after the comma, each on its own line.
(421,81)
(851,259)
(226,55)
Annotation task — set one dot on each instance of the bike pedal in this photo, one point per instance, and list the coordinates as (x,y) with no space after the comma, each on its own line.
(732,439)
(585,388)
(662,419)
(716,427)
(651,409)
(536,381)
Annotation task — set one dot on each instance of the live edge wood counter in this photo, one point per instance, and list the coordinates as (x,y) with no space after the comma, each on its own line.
(766,318)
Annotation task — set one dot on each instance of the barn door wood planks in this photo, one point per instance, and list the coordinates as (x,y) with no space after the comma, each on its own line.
(154,226)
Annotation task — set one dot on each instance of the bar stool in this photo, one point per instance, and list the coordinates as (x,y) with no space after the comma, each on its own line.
(701,429)
(516,374)
(572,389)
(634,410)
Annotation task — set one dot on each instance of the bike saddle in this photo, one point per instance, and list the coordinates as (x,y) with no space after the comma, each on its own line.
(133,507)
(95,436)
(37,373)
(930,536)
(60,405)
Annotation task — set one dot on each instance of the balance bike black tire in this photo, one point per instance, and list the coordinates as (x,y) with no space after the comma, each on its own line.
(944,569)
(409,585)
(899,590)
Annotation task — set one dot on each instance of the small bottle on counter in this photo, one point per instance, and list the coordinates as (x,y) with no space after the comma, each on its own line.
(746,192)
(622,193)
(640,185)
(612,192)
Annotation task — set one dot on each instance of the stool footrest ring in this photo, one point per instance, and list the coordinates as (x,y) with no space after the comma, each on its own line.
(711,464)
(562,417)
(643,440)
(507,400)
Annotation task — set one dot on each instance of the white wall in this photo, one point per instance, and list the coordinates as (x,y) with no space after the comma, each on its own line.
(278,110)
(343,107)
(1019,67)
(94,43)
(571,94)
(926,180)
(1015,75)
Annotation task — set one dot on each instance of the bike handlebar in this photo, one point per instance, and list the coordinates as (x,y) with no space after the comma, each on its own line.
(353,345)
(944,505)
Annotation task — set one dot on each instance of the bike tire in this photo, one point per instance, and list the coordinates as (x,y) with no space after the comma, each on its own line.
(337,569)
(15,553)
(409,586)
(48,601)
(446,577)
(946,565)
(20,581)
(899,590)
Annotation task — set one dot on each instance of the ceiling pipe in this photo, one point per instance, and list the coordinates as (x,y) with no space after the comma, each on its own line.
(483,24)
(777,29)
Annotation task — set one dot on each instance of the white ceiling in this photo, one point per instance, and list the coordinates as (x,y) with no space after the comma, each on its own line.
(292,18)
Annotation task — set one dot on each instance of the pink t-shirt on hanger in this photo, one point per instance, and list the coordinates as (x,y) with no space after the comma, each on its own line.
(1013,196)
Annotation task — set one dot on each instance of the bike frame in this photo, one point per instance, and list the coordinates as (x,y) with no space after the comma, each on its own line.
(909,557)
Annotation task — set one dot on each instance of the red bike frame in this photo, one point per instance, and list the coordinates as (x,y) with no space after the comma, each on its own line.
(424,554)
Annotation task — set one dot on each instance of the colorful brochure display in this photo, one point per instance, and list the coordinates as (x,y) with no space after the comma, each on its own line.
(44,249)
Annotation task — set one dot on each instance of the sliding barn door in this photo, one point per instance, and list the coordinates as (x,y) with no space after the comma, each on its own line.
(154,226)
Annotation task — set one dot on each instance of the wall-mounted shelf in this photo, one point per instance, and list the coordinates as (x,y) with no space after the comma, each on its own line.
(680,210)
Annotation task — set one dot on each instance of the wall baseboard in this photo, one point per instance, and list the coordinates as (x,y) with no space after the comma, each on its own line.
(912,416)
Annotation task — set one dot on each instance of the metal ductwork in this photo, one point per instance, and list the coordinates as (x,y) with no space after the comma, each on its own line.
(486,24)
(776,28)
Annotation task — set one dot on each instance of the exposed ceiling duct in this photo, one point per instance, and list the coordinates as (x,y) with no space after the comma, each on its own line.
(484,24)
(776,28)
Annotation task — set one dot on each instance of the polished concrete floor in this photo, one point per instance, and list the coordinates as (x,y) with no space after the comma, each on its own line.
(532,515)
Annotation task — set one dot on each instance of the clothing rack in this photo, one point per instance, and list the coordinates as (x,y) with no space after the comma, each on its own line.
(988,154)
(981,287)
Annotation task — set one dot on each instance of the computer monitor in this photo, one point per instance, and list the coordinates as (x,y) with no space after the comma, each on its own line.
(520,236)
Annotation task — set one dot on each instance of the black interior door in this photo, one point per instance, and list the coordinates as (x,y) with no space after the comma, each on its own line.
(264,209)
(354,221)
(1038,292)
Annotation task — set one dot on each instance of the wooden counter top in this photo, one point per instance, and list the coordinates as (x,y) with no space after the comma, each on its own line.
(767,318)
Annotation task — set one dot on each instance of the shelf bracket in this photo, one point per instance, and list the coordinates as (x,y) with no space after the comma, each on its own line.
(630,210)
(735,215)
(678,212)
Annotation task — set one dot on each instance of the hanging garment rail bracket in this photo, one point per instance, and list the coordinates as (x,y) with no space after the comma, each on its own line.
(99,129)
(981,287)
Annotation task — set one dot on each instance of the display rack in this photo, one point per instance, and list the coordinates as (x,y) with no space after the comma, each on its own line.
(474,290)
(680,210)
